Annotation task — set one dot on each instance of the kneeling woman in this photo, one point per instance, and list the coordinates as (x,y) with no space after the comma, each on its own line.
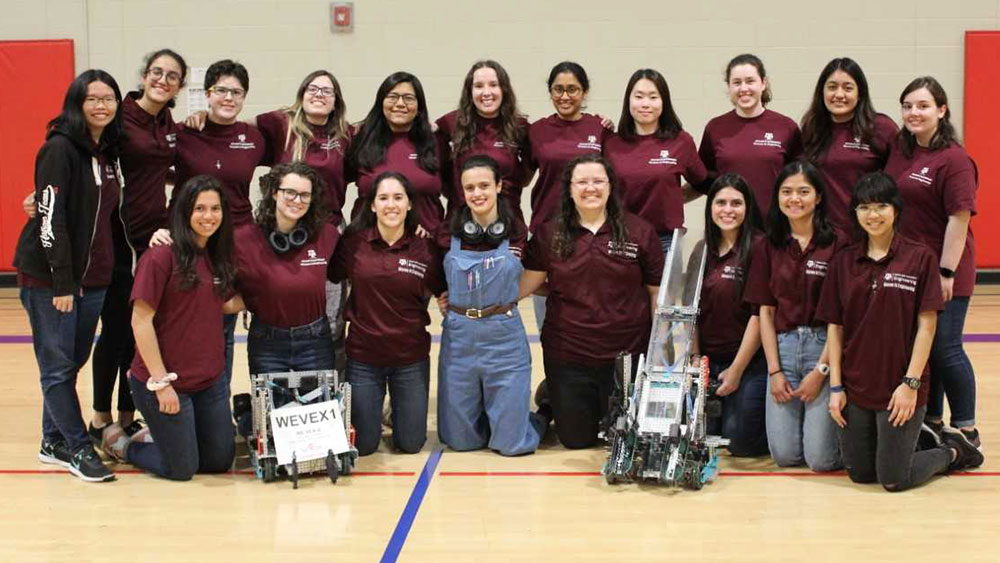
(881,299)
(603,267)
(393,273)
(176,378)
(484,377)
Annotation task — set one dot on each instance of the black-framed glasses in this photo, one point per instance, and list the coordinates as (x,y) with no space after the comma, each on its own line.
(290,195)
(408,99)
(572,90)
(314,90)
(222,92)
(158,73)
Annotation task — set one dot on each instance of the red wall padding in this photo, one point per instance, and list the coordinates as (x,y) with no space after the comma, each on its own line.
(34,76)
(982,138)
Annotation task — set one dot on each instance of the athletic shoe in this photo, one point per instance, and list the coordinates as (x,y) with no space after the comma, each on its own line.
(928,438)
(968,455)
(54,452)
(87,465)
(95,434)
(973,437)
(115,441)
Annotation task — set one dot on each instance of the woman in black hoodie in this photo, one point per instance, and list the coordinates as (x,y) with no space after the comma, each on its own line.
(65,257)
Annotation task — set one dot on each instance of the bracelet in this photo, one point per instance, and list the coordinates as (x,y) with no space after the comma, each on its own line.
(836,388)
(155,385)
(775,371)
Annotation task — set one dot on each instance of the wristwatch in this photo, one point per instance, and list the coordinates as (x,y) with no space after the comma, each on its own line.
(823,369)
(946,272)
(912,382)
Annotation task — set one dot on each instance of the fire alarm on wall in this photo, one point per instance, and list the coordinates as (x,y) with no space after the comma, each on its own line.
(341,16)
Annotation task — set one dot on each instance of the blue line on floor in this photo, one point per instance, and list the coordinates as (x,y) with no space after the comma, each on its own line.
(410,511)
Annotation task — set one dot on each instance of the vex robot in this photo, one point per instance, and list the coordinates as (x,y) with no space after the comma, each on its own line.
(657,422)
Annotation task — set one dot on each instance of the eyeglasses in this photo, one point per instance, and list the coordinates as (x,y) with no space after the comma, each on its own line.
(222,92)
(291,195)
(157,73)
(869,208)
(598,183)
(314,90)
(571,91)
(107,101)
(408,99)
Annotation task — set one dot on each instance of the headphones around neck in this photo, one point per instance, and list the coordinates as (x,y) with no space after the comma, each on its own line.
(473,233)
(282,243)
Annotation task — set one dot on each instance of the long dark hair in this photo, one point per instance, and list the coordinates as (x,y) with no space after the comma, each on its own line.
(754,61)
(317,213)
(817,124)
(751,227)
(299,133)
(366,218)
(778,228)
(511,121)
(72,122)
(668,126)
(504,212)
(945,134)
(368,148)
(876,187)
(568,220)
(220,245)
(148,62)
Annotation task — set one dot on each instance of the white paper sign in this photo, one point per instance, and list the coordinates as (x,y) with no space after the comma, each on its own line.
(308,431)
(196,90)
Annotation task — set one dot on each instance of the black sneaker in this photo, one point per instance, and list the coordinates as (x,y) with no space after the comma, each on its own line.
(928,438)
(973,437)
(54,452)
(968,455)
(96,434)
(87,465)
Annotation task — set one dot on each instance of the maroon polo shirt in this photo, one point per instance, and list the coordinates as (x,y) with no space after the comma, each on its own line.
(598,304)
(188,323)
(401,156)
(649,173)
(102,248)
(790,280)
(878,304)
(513,161)
(146,155)
(230,153)
(756,148)
(324,154)
(935,185)
(723,314)
(387,307)
(847,159)
(286,290)
(554,142)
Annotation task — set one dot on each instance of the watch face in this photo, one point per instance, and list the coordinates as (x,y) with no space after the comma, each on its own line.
(912,382)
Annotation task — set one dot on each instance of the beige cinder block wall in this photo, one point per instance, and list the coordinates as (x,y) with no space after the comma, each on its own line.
(690,42)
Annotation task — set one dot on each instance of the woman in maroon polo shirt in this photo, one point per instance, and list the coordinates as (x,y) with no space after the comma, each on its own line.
(843,136)
(729,327)
(603,268)
(651,152)
(937,180)
(177,376)
(751,140)
(392,272)
(396,135)
(881,298)
(786,277)
(487,122)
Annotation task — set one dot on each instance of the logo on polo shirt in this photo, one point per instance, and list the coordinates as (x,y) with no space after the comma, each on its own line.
(922,176)
(412,156)
(330,144)
(664,158)
(816,268)
(242,144)
(412,267)
(591,144)
(498,144)
(857,145)
(109,171)
(734,273)
(767,141)
(900,281)
(628,250)
(312,259)
(171,139)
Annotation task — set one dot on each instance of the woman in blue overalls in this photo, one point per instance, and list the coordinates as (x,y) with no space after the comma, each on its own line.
(484,375)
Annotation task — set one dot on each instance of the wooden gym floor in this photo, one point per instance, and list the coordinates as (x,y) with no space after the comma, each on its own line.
(446,506)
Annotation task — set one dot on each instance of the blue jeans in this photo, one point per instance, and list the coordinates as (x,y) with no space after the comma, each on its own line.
(198,439)
(800,432)
(408,385)
(665,242)
(272,349)
(229,331)
(62,343)
(951,370)
(743,420)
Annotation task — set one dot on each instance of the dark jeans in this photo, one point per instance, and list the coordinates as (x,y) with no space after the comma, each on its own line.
(272,349)
(743,420)
(62,344)
(951,370)
(229,332)
(408,386)
(198,439)
(115,346)
(579,395)
(876,451)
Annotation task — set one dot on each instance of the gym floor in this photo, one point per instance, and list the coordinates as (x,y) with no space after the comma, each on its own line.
(444,506)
